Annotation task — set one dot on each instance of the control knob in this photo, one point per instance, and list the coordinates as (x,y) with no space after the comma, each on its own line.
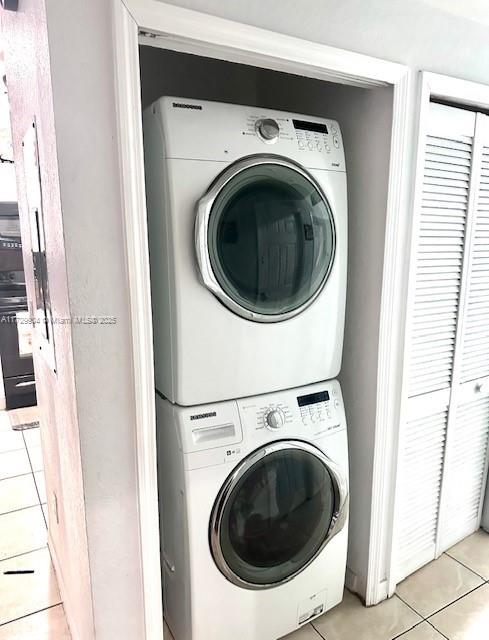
(275,419)
(267,129)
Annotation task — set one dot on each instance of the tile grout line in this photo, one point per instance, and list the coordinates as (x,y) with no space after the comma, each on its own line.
(423,619)
(32,613)
(466,566)
(12,450)
(318,632)
(399,637)
(426,618)
(29,506)
(35,483)
(453,602)
(18,475)
(37,489)
(411,607)
(24,553)
(437,630)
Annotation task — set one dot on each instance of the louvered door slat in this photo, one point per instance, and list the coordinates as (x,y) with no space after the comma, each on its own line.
(441,234)
(475,346)
(466,470)
(422,463)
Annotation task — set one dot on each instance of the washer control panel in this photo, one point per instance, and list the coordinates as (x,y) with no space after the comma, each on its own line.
(225,432)
(310,411)
(319,406)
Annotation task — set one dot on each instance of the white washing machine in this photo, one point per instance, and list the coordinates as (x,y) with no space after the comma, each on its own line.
(254,509)
(247,211)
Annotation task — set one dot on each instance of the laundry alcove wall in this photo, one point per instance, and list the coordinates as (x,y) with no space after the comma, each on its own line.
(365,117)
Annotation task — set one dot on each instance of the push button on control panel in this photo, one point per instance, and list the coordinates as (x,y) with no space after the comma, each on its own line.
(316,137)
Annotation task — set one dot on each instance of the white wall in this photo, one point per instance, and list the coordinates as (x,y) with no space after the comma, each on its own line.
(444,36)
(188,76)
(29,82)
(60,68)
(82,69)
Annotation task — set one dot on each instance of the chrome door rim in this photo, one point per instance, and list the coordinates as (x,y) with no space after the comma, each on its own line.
(204,208)
(338,520)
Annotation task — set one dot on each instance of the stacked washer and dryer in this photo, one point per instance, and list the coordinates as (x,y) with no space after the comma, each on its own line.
(247,215)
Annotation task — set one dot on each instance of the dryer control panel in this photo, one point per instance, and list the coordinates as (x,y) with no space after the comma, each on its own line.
(308,137)
(204,130)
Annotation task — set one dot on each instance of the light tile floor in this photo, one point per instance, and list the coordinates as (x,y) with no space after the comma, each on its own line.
(447,599)
(30,604)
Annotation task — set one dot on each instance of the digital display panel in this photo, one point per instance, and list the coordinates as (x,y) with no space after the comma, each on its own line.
(313,398)
(303,125)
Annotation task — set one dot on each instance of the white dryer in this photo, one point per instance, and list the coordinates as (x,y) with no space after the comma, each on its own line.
(247,211)
(254,512)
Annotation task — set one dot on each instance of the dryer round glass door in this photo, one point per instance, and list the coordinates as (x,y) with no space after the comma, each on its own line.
(265,238)
(275,513)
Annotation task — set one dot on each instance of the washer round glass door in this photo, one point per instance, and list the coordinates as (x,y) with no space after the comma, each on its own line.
(265,238)
(275,513)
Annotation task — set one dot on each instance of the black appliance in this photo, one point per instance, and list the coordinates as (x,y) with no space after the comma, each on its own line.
(17,364)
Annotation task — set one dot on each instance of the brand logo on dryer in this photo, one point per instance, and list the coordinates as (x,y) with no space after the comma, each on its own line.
(184,105)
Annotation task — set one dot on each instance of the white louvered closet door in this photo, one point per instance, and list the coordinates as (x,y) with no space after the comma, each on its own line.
(468,433)
(442,431)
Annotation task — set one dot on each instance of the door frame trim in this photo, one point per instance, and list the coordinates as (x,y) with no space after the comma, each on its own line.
(193,32)
(133,196)
(461,93)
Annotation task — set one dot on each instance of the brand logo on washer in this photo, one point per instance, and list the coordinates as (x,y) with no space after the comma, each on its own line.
(198,416)
(184,105)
